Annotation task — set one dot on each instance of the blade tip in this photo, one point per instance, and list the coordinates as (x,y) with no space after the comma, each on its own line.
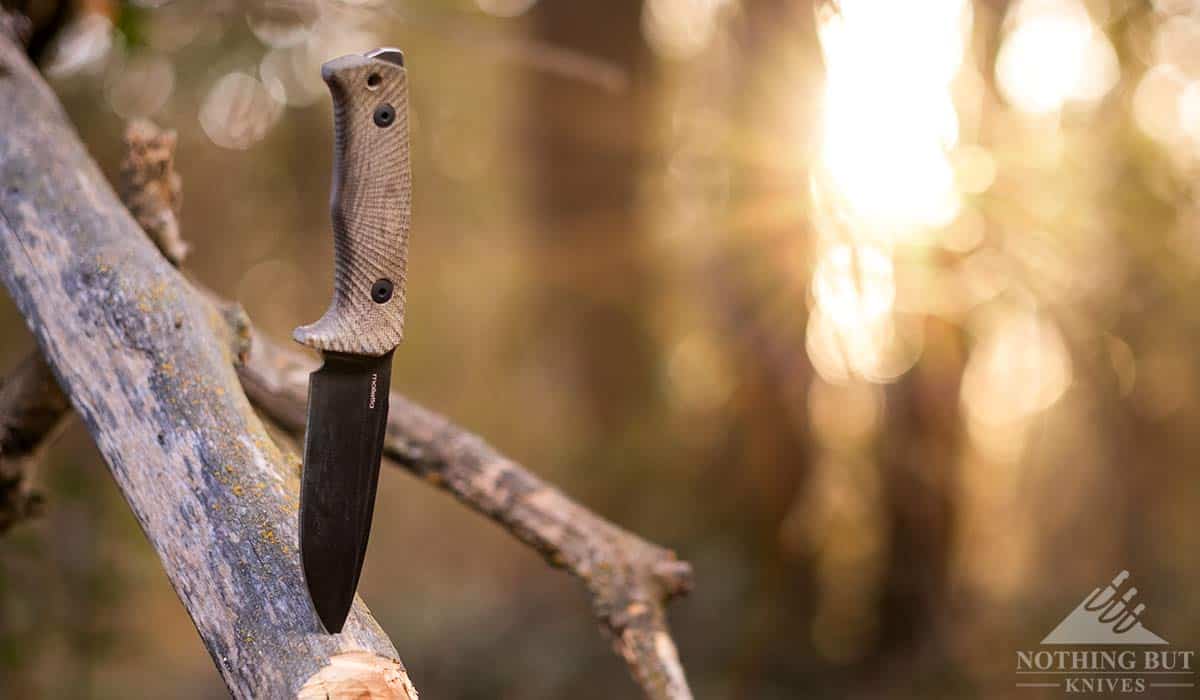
(331,613)
(333,625)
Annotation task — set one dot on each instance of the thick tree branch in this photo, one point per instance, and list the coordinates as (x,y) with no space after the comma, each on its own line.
(146,363)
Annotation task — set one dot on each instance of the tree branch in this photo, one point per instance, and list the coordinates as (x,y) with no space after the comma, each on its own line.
(147,365)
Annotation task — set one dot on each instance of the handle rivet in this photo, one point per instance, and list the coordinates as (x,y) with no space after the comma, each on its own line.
(381,291)
(384,115)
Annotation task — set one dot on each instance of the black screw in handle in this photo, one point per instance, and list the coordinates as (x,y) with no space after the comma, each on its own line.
(381,291)
(385,115)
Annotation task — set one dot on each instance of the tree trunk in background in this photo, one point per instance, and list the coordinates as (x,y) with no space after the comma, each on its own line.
(588,144)
(919,457)
(753,279)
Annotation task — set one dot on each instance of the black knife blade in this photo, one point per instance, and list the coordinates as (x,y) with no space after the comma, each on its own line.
(347,418)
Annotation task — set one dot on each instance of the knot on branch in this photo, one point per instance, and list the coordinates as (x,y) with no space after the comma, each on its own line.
(633,615)
(238,328)
(637,590)
(676,577)
(151,188)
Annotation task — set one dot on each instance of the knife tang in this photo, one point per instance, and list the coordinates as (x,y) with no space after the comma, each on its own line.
(371,204)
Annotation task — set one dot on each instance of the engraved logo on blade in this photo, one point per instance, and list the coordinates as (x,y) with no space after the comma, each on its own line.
(374,381)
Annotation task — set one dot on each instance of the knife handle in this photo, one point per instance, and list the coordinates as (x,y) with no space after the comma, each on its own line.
(371,203)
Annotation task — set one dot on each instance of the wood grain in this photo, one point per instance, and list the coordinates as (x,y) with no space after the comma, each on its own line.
(148,365)
(360,676)
(371,205)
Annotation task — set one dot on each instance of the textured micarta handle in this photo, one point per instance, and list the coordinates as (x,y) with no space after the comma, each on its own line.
(371,203)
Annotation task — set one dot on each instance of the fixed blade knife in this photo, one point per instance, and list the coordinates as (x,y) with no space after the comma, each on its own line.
(371,201)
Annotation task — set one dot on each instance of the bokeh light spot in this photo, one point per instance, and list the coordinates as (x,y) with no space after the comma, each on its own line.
(238,111)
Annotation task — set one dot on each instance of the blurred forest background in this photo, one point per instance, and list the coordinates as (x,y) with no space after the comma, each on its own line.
(880,313)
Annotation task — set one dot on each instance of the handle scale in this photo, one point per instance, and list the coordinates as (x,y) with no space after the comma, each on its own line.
(371,203)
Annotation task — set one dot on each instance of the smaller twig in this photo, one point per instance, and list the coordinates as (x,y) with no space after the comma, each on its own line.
(32,408)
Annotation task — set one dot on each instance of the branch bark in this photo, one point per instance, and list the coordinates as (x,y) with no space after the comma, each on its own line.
(147,365)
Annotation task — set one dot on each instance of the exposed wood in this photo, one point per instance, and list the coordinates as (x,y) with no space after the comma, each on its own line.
(148,366)
(359,675)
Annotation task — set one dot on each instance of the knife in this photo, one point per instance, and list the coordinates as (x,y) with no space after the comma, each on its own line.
(371,202)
